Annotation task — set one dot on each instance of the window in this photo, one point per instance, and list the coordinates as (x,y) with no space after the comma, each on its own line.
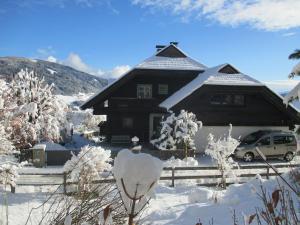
(264,141)
(163,89)
(227,99)
(144,91)
(127,122)
(238,100)
(283,139)
(105,103)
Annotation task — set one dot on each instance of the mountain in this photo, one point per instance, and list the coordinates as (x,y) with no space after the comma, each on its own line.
(68,81)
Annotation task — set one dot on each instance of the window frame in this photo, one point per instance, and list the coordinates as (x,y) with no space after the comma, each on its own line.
(262,138)
(144,95)
(222,102)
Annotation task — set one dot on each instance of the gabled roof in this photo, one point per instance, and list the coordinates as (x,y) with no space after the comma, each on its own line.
(168,58)
(218,75)
(171,58)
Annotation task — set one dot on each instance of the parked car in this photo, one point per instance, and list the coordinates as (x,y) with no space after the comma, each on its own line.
(272,143)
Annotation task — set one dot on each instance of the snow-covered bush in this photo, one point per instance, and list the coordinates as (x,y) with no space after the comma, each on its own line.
(33,112)
(90,164)
(136,177)
(178,132)
(9,172)
(220,150)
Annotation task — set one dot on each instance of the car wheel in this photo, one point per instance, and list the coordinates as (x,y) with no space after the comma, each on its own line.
(248,157)
(289,156)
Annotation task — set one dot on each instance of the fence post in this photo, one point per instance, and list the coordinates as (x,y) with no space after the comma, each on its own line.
(268,171)
(173,177)
(12,189)
(65,183)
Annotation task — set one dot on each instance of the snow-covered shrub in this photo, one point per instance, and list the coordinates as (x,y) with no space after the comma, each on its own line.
(90,164)
(9,172)
(136,177)
(173,162)
(220,150)
(178,131)
(33,112)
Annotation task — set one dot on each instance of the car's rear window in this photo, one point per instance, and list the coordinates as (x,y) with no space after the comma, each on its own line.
(282,139)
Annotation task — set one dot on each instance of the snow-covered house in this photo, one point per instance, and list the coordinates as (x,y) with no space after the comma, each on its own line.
(171,80)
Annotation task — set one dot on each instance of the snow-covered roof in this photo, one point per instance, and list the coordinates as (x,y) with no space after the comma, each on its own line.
(165,59)
(209,76)
(159,62)
(170,63)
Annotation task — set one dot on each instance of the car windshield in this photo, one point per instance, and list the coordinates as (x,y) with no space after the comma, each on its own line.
(252,138)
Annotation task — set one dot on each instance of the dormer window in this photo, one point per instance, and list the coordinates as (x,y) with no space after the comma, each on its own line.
(144,91)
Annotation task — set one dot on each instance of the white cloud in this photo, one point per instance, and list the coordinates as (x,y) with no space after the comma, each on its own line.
(118,71)
(52,59)
(282,85)
(267,15)
(289,34)
(74,60)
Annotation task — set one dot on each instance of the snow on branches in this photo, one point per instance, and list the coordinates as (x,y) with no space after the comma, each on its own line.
(6,146)
(33,112)
(90,164)
(178,131)
(9,172)
(294,94)
(220,150)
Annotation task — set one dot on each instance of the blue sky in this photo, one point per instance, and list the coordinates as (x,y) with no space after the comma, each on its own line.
(107,37)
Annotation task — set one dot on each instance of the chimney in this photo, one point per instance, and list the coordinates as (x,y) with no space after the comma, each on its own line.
(159,47)
(174,43)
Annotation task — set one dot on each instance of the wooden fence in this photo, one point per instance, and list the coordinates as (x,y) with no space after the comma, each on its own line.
(245,171)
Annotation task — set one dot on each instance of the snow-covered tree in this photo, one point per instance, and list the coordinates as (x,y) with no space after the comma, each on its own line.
(178,131)
(136,177)
(85,120)
(295,93)
(220,150)
(90,164)
(33,112)
(6,146)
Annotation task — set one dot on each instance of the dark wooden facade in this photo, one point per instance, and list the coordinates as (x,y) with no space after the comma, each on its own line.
(123,102)
(261,107)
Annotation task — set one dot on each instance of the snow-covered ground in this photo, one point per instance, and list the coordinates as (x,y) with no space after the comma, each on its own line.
(187,204)
(184,204)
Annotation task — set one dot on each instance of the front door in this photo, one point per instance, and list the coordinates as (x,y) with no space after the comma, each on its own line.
(155,125)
